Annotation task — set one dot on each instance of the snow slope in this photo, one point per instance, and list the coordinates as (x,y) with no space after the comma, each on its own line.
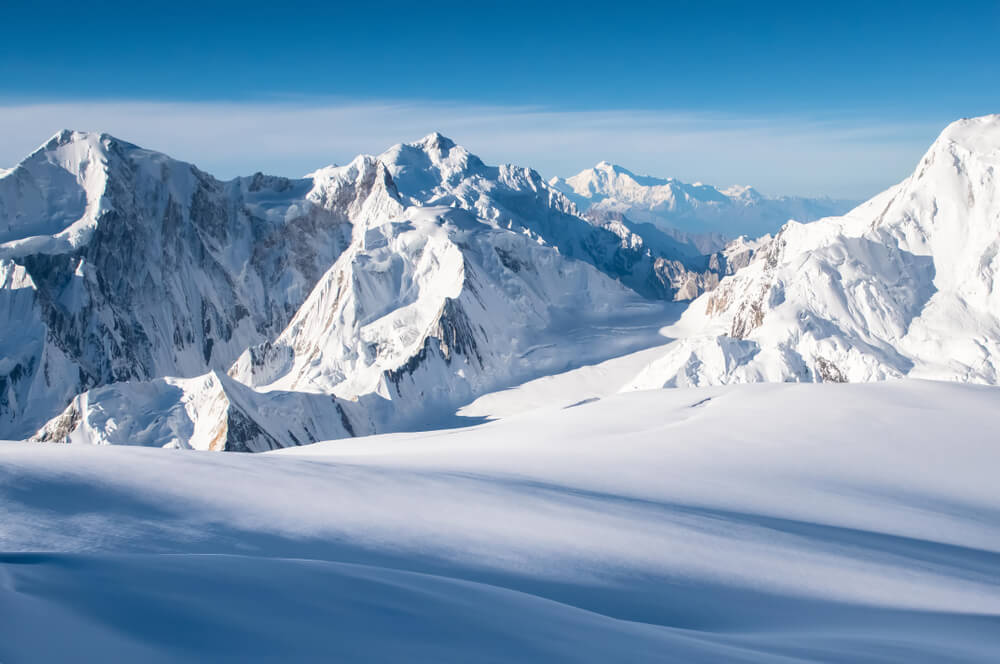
(770,522)
(704,215)
(902,285)
(433,306)
(435,172)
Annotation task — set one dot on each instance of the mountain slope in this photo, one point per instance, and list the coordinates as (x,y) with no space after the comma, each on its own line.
(165,272)
(903,285)
(211,412)
(698,213)
(417,278)
(431,308)
(436,172)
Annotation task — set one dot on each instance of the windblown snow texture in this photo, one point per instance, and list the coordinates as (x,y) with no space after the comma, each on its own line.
(754,523)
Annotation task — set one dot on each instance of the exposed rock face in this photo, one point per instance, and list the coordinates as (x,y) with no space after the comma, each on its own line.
(168,272)
(827,371)
(665,267)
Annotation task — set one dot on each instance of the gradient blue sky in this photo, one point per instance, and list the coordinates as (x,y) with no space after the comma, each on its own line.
(811,98)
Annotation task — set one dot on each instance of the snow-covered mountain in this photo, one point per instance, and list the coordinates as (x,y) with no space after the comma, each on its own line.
(120,264)
(751,523)
(417,278)
(698,214)
(905,284)
(146,302)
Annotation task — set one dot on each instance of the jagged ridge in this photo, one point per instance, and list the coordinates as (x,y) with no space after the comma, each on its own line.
(385,281)
(904,285)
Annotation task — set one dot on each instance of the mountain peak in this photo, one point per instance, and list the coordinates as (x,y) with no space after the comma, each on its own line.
(436,140)
(614,169)
(66,137)
(980,134)
(73,149)
(695,209)
(607,169)
(904,284)
(74,136)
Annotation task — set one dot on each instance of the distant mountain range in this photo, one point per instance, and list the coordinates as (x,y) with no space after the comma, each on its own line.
(904,285)
(706,215)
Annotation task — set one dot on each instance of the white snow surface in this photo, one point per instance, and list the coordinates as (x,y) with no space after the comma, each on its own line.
(704,215)
(758,523)
(904,285)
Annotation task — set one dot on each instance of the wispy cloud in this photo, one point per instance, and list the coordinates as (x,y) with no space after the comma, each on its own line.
(836,156)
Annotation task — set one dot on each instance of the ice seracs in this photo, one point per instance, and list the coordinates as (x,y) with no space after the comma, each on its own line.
(904,285)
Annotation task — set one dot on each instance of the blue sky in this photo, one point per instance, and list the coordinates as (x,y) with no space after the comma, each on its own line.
(808,98)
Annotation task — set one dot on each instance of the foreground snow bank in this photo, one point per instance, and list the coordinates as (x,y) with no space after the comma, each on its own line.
(749,523)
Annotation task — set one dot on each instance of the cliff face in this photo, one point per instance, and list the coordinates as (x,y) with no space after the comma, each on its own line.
(165,272)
